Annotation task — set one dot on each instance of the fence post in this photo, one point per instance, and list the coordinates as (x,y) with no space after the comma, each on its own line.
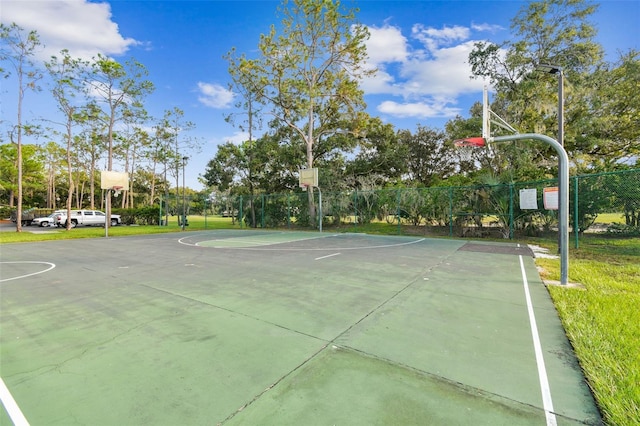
(355,208)
(511,211)
(576,229)
(289,211)
(241,212)
(398,211)
(450,211)
(262,212)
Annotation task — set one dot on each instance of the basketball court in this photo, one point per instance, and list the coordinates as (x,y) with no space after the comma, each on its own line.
(289,328)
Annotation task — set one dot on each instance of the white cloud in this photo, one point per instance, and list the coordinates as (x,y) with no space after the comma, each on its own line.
(237,138)
(486,27)
(432,38)
(214,95)
(427,73)
(386,44)
(447,74)
(417,109)
(83,28)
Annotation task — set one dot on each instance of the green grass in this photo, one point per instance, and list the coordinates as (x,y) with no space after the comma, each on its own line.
(34,233)
(602,320)
(610,218)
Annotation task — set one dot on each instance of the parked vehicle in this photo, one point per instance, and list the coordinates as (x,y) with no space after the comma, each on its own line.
(48,220)
(28,215)
(85,217)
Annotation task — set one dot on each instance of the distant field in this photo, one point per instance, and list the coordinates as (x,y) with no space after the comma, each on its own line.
(610,218)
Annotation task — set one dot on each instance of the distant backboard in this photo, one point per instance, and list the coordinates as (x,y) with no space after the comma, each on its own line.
(308,177)
(114,180)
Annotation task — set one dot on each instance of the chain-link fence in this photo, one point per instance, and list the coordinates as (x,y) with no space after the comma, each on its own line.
(604,202)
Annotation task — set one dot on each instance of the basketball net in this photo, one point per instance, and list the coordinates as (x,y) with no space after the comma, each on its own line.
(466,147)
(465,152)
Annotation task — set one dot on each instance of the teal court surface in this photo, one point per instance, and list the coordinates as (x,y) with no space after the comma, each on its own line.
(282,328)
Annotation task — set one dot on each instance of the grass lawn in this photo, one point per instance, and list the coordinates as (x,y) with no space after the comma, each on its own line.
(602,320)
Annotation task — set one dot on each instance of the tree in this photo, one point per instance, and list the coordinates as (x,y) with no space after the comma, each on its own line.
(168,149)
(54,161)
(139,141)
(18,48)
(381,157)
(118,90)
(249,86)
(554,32)
(429,158)
(610,124)
(91,145)
(67,85)
(226,167)
(310,72)
(33,172)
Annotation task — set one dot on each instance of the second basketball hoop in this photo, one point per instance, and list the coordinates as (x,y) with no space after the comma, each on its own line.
(308,177)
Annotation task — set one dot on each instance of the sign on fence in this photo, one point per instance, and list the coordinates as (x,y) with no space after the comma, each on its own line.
(529,199)
(551,198)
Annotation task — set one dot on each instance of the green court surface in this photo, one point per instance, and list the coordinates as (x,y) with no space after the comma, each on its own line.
(282,328)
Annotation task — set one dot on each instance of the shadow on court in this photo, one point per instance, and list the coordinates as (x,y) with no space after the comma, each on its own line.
(251,327)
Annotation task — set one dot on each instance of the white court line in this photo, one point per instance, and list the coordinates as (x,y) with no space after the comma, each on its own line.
(51,266)
(547,403)
(256,242)
(11,406)
(329,255)
(273,248)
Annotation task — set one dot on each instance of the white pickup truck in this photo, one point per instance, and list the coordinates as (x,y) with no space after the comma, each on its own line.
(85,217)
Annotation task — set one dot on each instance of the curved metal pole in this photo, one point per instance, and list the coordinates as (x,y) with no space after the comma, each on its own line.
(563,194)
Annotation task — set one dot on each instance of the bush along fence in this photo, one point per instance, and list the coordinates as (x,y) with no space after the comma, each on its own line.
(604,202)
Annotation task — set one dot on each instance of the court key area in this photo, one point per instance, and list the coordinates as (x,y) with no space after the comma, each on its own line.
(282,328)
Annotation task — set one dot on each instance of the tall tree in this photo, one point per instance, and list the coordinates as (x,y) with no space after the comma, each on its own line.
(118,90)
(54,156)
(381,158)
(173,126)
(33,172)
(248,85)
(91,145)
(429,157)
(310,72)
(66,73)
(18,48)
(556,32)
(610,123)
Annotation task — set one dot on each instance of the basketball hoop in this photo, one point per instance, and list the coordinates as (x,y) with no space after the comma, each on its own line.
(466,146)
(116,190)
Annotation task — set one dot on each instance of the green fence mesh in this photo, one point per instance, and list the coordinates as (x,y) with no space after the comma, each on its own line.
(604,202)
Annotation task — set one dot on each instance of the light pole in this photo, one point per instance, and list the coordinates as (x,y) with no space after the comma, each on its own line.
(184,196)
(554,69)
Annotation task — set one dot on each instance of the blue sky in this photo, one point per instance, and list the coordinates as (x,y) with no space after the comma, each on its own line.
(420,48)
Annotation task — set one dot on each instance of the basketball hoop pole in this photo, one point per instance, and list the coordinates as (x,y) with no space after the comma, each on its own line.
(563,188)
(319,205)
